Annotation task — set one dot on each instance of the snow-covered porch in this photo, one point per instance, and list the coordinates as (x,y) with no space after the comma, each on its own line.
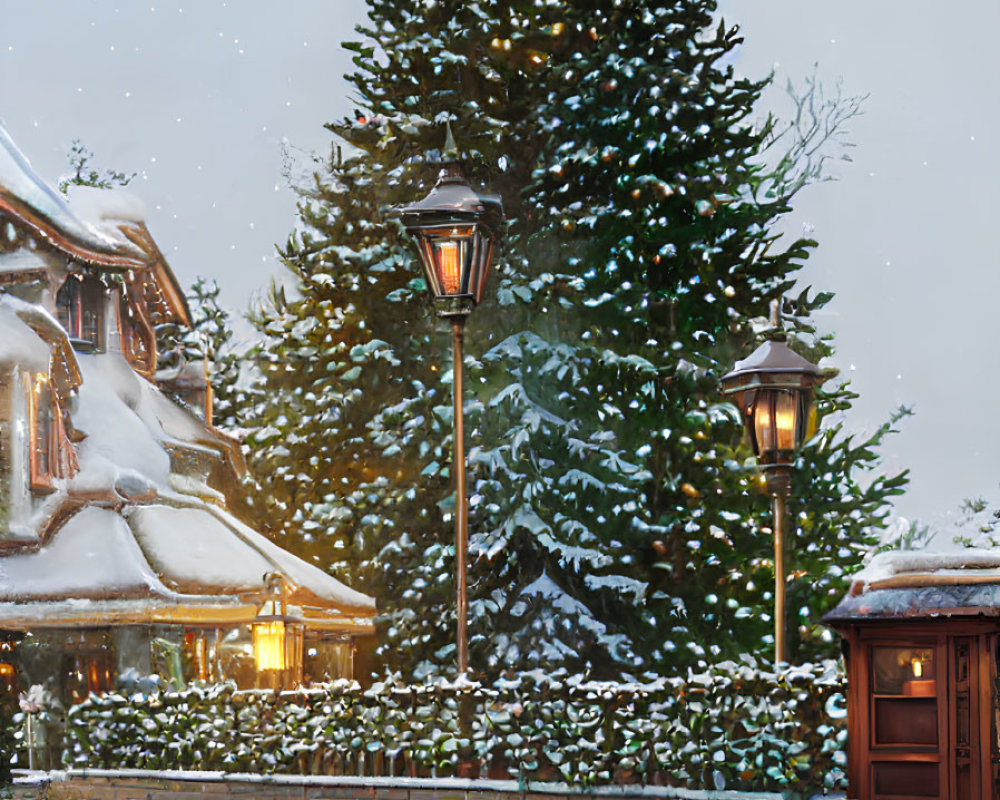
(128,587)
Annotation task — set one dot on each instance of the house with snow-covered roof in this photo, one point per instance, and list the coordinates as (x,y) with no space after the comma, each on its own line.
(118,554)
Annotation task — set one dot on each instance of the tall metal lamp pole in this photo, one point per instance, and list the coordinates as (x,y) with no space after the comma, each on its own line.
(773,389)
(455,229)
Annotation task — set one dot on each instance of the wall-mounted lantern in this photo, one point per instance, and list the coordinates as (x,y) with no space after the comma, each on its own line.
(277,637)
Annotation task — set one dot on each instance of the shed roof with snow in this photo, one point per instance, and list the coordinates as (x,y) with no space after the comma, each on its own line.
(915,584)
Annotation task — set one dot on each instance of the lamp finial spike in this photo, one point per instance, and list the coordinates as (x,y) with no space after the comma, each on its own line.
(450,148)
(775,313)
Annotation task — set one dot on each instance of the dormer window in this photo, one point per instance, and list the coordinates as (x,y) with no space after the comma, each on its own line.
(42,439)
(50,455)
(80,306)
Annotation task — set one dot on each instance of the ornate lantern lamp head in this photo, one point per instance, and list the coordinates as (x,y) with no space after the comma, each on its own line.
(455,229)
(773,388)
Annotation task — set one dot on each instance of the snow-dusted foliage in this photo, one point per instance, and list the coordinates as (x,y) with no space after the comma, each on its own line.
(616,523)
(730,727)
(7,734)
(209,337)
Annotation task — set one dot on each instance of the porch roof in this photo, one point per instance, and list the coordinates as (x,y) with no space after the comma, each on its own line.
(173,561)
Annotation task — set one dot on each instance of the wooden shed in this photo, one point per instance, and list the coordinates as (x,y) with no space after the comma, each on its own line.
(921,633)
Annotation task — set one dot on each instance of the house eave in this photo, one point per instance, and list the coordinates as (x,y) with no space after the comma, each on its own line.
(189,612)
(77,250)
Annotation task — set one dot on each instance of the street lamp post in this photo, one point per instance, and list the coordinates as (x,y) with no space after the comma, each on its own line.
(455,229)
(773,389)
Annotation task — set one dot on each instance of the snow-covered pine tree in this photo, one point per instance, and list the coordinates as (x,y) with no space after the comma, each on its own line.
(353,445)
(210,337)
(614,525)
(654,182)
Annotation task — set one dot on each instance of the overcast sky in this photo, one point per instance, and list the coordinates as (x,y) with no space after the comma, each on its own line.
(907,235)
(206,101)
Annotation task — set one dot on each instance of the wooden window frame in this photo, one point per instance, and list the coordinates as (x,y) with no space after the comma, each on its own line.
(137,334)
(60,459)
(87,296)
(42,475)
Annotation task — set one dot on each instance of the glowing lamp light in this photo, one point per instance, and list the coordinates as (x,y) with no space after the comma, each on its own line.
(270,629)
(269,644)
(454,228)
(775,421)
(448,263)
(921,682)
(922,665)
(773,390)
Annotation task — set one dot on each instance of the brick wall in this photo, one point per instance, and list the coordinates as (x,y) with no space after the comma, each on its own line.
(170,785)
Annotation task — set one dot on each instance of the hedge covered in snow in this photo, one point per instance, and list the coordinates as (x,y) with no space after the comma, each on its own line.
(732,726)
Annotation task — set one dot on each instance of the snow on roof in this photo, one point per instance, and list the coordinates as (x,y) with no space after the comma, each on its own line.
(179,548)
(301,573)
(22,185)
(120,441)
(19,344)
(177,423)
(920,602)
(924,583)
(159,562)
(128,421)
(193,550)
(197,546)
(97,206)
(972,563)
(92,556)
(24,260)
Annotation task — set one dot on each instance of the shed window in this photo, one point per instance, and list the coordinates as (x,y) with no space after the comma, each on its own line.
(80,306)
(904,670)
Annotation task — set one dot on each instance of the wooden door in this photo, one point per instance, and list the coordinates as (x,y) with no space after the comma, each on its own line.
(908,723)
(929,725)
(970,706)
(989,692)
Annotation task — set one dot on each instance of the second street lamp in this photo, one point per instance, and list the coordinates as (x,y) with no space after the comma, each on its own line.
(773,389)
(455,229)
